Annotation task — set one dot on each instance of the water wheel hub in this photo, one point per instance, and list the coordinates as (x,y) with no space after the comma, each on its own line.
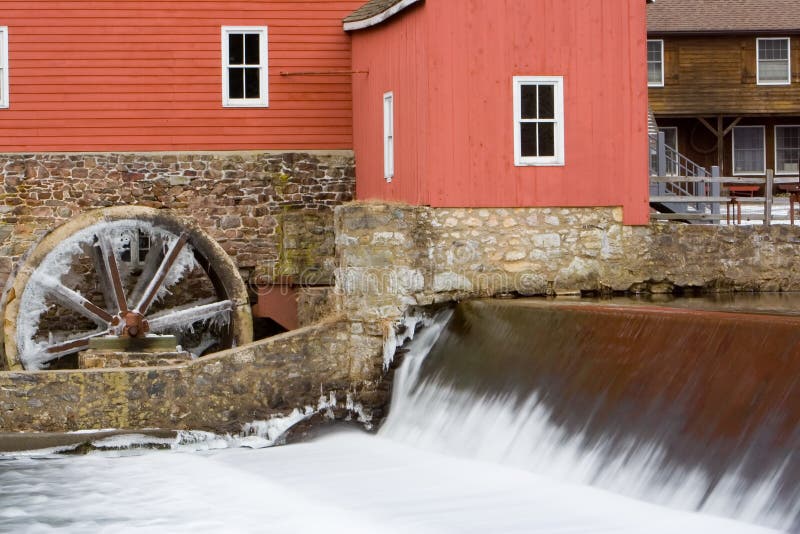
(134,324)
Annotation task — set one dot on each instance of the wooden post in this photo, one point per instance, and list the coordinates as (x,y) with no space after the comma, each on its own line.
(720,141)
(715,190)
(768,197)
(661,149)
(700,189)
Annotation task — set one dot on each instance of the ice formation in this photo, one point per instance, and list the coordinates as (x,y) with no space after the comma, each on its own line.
(47,279)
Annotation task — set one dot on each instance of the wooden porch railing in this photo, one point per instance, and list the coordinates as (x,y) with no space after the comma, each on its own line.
(729,208)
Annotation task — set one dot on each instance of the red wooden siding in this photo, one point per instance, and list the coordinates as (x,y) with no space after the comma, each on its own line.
(450,64)
(146,75)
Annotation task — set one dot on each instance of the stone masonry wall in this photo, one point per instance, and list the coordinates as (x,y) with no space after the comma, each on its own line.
(220,393)
(391,257)
(272,212)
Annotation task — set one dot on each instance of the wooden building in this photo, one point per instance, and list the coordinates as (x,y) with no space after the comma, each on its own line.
(146,75)
(724,82)
(448,114)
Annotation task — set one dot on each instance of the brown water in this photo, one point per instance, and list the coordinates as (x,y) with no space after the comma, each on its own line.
(691,406)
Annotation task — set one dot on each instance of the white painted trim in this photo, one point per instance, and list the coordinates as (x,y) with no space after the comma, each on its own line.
(763,151)
(775,148)
(388,136)
(676,147)
(380,17)
(558,120)
(263,100)
(788,60)
(4,76)
(659,84)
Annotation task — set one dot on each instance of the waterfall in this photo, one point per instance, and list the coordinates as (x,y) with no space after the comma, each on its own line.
(692,409)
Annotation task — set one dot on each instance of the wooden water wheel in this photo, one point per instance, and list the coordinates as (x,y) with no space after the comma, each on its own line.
(127,272)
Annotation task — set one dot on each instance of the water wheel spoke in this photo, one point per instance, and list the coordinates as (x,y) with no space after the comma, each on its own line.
(149,269)
(68,346)
(75,301)
(104,281)
(185,316)
(158,280)
(111,274)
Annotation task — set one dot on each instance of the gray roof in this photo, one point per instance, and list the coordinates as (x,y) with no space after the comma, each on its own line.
(723,16)
(370,9)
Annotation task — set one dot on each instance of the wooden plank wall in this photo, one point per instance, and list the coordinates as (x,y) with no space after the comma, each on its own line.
(717,76)
(145,75)
(456,137)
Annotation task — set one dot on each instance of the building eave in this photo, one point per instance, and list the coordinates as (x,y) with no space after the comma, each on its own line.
(379,18)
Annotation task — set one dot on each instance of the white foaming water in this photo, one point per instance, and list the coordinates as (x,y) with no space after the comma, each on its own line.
(349,482)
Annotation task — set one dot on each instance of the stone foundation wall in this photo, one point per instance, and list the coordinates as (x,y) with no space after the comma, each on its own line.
(219,393)
(272,212)
(391,257)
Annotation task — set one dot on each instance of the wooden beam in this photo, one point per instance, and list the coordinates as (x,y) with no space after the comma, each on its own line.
(707,125)
(731,126)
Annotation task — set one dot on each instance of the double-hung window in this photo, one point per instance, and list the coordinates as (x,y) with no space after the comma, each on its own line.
(538,120)
(244,66)
(388,136)
(3,66)
(748,150)
(773,66)
(655,63)
(787,150)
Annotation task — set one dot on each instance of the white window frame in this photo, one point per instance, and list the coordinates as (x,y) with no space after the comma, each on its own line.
(775,147)
(660,83)
(263,100)
(788,80)
(4,97)
(558,120)
(763,152)
(672,166)
(388,136)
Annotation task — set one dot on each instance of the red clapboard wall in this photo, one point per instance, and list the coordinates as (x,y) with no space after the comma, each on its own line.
(450,66)
(146,75)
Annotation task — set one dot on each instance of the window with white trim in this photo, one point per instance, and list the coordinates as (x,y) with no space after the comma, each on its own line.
(671,144)
(3,66)
(773,65)
(244,66)
(787,150)
(655,63)
(388,136)
(538,120)
(748,150)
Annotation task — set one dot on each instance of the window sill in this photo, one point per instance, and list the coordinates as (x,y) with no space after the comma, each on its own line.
(247,104)
(538,163)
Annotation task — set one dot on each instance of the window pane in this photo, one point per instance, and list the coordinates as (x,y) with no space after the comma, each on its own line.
(236,83)
(748,155)
(773,60)
(251,83)
(773,71)
(654,72)
(547,139)
(251,53)
(654,62)
(773,49)
(528,139)
(546,102)
(528,104)
(235,49)
(787,149)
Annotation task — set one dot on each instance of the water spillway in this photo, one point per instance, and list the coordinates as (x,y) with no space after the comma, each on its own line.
(695,409)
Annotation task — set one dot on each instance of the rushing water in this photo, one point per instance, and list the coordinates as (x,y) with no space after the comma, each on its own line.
(474,443)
